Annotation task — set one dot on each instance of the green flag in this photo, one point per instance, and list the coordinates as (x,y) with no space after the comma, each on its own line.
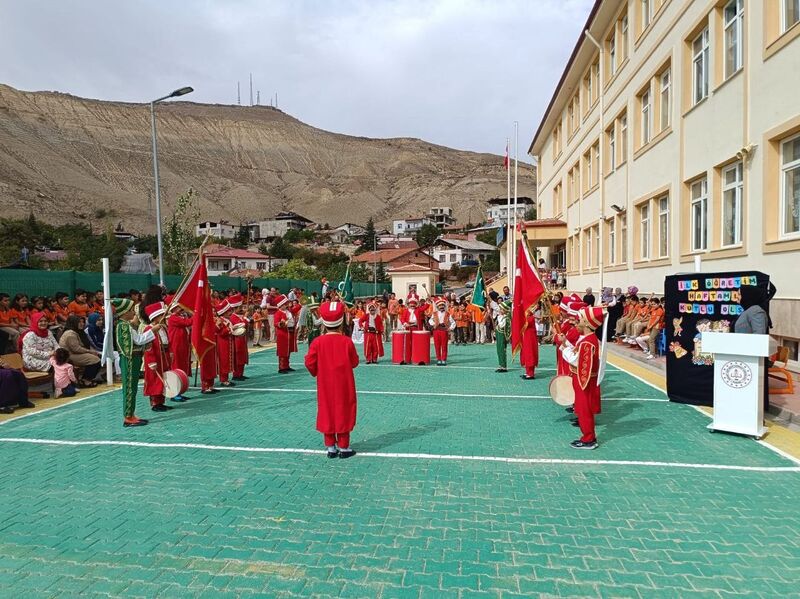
(477,292)
(346,288)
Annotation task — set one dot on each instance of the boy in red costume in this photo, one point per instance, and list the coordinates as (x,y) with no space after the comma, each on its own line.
(442,323)
(224,344)
(241,356)
(372,325)
(178,325)
(584,361)
(331,359)
(285,334)
(157,358)
(529,354)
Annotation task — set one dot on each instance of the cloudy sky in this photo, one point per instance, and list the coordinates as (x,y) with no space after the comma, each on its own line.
(453,72)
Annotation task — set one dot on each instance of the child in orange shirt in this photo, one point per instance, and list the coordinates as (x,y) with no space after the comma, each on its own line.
(78,306)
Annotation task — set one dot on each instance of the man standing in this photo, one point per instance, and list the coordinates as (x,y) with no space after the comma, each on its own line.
(502,334)
(393,308)
(285,326)
(589,299)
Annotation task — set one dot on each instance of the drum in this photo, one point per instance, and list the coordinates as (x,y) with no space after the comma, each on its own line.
(561,390)
(238,329)
(175,383)
(400,339)
(421,347)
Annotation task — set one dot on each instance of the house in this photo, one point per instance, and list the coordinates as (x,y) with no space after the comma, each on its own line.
(221,229)
(122,235)
(336,236)
(457,249)
(351,229)
(498,211)
(442,216)
(396,257)
(413,277)
(409,226)
(277,226)
(402,244)
(221,259)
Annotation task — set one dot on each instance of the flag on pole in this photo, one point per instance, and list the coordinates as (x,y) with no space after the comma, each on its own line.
(528,288)
(346,288)
(477,292)
(187,295)
(203,330)
(506,161)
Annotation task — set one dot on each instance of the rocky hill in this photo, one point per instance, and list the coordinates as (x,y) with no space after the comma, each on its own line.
(66,158)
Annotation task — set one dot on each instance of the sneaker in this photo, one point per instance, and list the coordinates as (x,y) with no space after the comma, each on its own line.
(525,377)
(346,453)
(650,357)
(578,444)
(161,408)
(178,399)
(570,409)
(136,422)
(502,370)
(6,410)
(333,454)
(26,405)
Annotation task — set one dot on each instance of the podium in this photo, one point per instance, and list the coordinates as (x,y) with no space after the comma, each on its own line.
(739,373)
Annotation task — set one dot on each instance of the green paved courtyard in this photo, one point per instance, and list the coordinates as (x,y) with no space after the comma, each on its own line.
(465,486)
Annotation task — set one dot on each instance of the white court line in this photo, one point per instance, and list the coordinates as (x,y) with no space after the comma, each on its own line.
(63,405)
(408,456)
(615,370)
(425,394)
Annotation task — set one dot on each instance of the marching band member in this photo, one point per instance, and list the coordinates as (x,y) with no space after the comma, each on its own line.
(178,325)
(130,344)
(529,354)
(584,361)
(442,323)
(414,316)
(372,325)
(241,356)
(224,344)
(313,321)
(502,333)
(157,358)
(285,327)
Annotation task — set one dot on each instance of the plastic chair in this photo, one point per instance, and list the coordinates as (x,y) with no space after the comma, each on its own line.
(781,373)
(661,344)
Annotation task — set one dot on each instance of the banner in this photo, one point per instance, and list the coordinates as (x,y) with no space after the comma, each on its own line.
(695,303)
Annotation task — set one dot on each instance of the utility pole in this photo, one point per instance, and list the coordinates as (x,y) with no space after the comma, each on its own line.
(258,98)
(238,94)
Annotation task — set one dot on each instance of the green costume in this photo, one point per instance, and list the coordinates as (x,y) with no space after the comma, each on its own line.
(130,344)
(502,333)
(313,324)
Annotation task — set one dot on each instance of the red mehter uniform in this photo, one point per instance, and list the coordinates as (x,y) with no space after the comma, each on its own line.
(224,344)
(529,354)
(372,325)
(156,359)
(179,342)
(442,324)
(241,356)
(412,319)
(285,334)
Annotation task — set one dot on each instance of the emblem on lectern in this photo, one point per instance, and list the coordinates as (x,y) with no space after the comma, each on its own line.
(737,375)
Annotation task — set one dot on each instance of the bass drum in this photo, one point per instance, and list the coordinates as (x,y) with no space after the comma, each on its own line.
(175,383)
(561,390)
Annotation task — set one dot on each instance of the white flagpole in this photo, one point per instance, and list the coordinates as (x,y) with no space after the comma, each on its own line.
(108,321)
(509,234)
(516,166)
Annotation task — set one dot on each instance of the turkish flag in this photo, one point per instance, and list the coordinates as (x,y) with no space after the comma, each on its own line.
(203,329)
(506,161)
(528,288)
(186,296)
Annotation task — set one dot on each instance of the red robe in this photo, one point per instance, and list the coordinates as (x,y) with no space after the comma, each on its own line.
(241,356)
(405,318)
(442,325)
(179,343)
(584,383)
(224,349)
(373,338)
(529,355)
(156,361)
(331,359)
(285,335)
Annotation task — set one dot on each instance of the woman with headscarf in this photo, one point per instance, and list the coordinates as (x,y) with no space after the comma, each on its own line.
(38,344)
(755,320)
(13,389)
(615,305)
(76,342)
(95,332)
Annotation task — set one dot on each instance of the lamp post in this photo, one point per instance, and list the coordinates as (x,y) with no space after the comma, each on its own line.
(178,92)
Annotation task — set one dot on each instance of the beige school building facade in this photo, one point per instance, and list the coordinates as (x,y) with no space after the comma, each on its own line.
(674,132)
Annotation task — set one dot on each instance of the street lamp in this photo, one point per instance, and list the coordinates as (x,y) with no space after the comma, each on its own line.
(178,92)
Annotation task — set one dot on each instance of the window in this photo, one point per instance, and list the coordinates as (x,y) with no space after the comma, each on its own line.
(587,234)
(623,138)
(612,243)
(647,116)
(596,164)
(791,14)
(261,265)
(612,53)
(557,140)
(663,226)
(577,168)
(623,238)
(699,196)
(612,149)
(733,17)
(452,257)
(665,78)
(441,257)
(570,187)
(732,189)
(700,66)
(644,219)
(624,34)
(647,13)
(587,165)
(557,200)
(790,181)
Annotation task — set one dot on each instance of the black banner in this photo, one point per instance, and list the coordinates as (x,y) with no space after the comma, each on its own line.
(695,303)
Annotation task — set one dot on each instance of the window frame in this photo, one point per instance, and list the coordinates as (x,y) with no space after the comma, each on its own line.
(644,230)
(646,8)
(701,58)
(785,168)
(702,200)
(612,241)
(733,28)
(623,237)
(663,231)
(737,187)
(611,137)
(646,115)
(785,26)
(665,107)
(623,130)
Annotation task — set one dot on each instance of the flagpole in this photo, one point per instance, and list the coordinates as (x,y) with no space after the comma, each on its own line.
(516,168)
(509,234)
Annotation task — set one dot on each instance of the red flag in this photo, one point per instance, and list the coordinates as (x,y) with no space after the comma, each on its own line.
(528,288)
(186,296)
(203,330)
(506,161)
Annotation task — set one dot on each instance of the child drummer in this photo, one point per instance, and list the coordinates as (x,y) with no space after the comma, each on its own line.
(130,344)
(584,360)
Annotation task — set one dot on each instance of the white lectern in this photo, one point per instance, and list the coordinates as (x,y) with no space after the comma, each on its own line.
(738,381)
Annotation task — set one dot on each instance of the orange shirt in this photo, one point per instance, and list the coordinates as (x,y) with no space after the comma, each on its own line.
(5,318)
(61,313)
(78,309)
(50,315)
(22,317)
(462,318)
(642,312)
(475,312)
(656,318)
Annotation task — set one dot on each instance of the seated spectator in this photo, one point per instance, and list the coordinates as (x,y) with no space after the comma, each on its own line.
(655,322)
(79,306)
(8,325)
(64,379)
(20,312)
(95,332)
(76,342)
(13,389)
(38,344)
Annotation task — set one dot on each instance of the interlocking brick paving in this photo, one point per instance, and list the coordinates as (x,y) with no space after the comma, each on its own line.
(196,520)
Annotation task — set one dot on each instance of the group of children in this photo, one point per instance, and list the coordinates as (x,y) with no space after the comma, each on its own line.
(640,324)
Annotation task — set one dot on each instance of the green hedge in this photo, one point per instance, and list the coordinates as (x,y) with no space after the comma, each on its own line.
(49,282)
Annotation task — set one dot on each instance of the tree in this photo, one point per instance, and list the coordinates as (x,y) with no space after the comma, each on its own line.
(295,269)
(280,249)
(530,214)
(146,244)
(380,273)
(263,249)
(291,236)
(368,239)
(242,238)
(489,237)
(492,262)
(427,235)
(179,238)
